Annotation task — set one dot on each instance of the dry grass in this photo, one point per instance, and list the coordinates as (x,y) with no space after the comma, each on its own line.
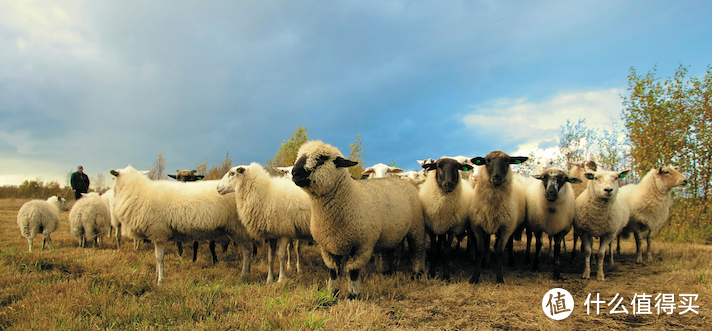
(87,289)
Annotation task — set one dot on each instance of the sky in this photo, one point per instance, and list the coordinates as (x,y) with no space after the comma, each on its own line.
(106,84)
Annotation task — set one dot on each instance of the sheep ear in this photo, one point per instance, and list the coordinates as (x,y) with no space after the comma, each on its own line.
(396,170)
(366,171)
(623,174)
(114,173)
(540,177)
(194,171)
(429,166)
(340,162)
(589,175)
(172,176)
(420,162)
(518,159)
(199,177)
(478,161)
(465,167)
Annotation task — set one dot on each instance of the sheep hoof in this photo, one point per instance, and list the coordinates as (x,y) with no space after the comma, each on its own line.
(500,280)
(557,276)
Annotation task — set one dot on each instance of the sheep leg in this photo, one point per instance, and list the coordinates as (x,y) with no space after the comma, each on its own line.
(179,244)
(296,244)
(480,237)
(436,242)
(246,260)
(118,236)
(46,239)
(510,250)
(551,241)
(539,244)
(649,251)
(446,255)
(416,244)
(618,247)
(586,243)
(225,246)
(573,249)
(289,256)
(137,244)
(357,260)
(611,249)
(503,239)
(29,242)
(638,243)
(333,263)
(195,250)
(271,249)
(283,243)
(557,255)
(160,249)
(529,246)
(211,245)
(605,241)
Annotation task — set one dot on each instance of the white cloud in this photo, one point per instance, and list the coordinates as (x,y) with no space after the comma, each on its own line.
(539,122)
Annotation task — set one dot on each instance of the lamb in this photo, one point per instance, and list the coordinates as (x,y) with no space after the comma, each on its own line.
(601,213)
(352,219)
(499,207)
(271,208)
(577,170)
(380,170)
(550,209)
(89,219)
(163,211)
(40,216)
(649,203)
(446,200)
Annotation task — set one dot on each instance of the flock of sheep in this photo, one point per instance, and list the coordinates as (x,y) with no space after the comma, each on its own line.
(353,220)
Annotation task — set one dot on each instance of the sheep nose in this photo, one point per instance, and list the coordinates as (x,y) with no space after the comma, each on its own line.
(448,187)
(609,190)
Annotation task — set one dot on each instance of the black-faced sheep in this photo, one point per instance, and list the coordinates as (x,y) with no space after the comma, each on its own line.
(602,213)
(40,216)
(499,207)
(351,219)
(163,211)
(446,200)
(649,203)
(550,209)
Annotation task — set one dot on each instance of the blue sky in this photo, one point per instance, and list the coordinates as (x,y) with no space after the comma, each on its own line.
(111,83)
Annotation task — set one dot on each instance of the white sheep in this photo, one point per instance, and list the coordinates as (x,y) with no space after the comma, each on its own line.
(89,219)
(650,202)
(163,211)
(601,213)
(446,200)
(351,219)
(577,170)
(499,207)
(40,216)
(380,170)
(271,208)
(550,209)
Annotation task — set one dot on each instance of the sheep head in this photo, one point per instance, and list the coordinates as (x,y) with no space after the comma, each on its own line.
(667,178)
(543,163)
(380,170)
(232,179)
(447,172)
(604,184)
(553,180)
(496,163)
(186,176)
(319,167)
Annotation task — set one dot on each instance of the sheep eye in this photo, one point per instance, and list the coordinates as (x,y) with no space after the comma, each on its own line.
(240,170)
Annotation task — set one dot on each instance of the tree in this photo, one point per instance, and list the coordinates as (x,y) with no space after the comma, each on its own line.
(218,171)
(98,182)
(158,170)
(356,155)
(201,168)
(575,141)
(287,154)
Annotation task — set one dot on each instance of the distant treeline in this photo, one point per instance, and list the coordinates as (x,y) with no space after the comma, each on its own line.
(35,189)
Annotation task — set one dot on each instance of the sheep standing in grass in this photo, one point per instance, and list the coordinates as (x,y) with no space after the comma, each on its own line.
(601,213)
(40,216)
(446,200)
(499,207)
(650,202)
(271,208)
(163,211)
(550,209)
(351,219)
(89,219)
(577,170)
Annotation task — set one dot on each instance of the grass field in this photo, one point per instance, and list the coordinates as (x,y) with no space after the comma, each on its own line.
(68,288)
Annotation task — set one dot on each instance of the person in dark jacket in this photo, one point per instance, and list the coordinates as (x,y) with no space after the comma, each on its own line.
(80,182)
